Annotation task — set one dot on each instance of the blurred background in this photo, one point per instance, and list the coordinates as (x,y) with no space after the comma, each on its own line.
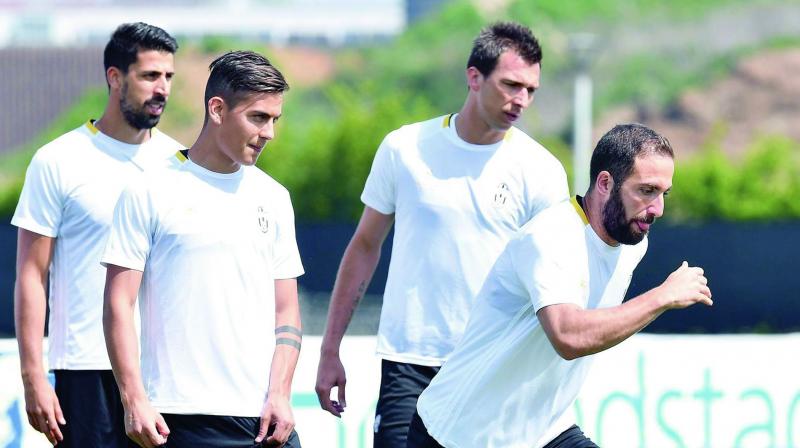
(719,78)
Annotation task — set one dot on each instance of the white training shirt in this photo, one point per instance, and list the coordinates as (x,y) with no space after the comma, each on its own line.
(505,386)
(211,246)
(70,190)
(456,205)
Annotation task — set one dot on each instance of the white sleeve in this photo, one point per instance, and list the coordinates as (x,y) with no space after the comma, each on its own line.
(551,188)
(557,190)
(552,269)
(130,238)
(286,260)
(41,203)
(380,190)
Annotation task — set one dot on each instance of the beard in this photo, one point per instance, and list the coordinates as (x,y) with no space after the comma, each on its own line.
(618,226)
(138,118)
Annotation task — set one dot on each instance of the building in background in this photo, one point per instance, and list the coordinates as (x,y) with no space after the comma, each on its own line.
(89,22)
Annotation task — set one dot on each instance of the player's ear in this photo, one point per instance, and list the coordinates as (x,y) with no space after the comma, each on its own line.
(604,183)
(216,106)
(474,77)
(114,78)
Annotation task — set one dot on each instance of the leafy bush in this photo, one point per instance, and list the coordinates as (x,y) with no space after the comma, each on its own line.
(324,161)
(764,185)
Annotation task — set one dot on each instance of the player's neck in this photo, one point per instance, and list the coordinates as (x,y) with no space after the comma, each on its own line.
(593,207)
(206,153)
(114,125)
(471,128)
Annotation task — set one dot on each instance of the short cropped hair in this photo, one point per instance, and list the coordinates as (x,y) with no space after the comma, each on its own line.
(237,74)
(130,38)
(499,37)
(617,150)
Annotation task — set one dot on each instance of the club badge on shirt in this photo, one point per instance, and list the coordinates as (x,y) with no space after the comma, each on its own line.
(501,194)
(263,219)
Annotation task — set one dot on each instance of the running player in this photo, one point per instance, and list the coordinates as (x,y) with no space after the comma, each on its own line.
(552,300)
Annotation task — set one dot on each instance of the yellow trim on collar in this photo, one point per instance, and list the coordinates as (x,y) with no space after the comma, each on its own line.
(508,134)
(91,127)
(180,156)
(579,209)
(446,121)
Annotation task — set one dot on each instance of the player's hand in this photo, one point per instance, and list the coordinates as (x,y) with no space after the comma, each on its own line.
(330,374)
(685,287)
(277,421)
(43,409)
(144,425)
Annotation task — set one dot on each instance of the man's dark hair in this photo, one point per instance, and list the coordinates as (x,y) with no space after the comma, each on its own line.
(617,150)
(131,38)
(499,37)
(237,74)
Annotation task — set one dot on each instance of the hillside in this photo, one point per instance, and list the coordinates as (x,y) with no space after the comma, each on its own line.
(759,97)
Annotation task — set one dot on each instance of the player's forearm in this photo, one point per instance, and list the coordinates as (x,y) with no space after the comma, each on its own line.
(123,350)
(585,332)
(355,272)
(288,338)
(30,305)
(284,361)
(120,332)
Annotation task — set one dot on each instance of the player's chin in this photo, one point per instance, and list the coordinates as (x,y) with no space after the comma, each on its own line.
(251,154)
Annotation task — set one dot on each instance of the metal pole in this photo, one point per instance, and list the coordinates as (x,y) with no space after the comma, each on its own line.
(582,46)
(582,133)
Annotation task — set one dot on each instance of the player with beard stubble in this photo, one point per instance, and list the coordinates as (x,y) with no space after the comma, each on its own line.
(63,216)
(551,301)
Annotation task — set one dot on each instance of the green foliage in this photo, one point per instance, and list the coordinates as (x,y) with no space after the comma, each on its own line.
(428,59)
(324,161)
(764,185)
(656,81)
(328,136)
(609,11)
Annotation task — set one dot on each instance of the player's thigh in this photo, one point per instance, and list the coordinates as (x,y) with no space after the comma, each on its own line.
(401,385)
(573,437)
(92,408)
(214,431)
(418,436)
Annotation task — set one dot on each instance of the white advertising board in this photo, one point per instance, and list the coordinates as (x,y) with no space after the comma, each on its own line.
(650,391)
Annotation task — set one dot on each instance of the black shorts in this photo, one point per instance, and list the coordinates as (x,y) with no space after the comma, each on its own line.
(401,385)
(216,431)
(91,405)
(573,437)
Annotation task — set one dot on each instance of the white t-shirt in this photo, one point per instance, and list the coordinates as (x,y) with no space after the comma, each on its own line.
(211,246)
(505,385)
(70,190)
(456,205)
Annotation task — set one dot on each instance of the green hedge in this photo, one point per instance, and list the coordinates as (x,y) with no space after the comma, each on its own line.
(764,185)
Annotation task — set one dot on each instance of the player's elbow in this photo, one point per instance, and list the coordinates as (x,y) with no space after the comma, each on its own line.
(566,350)
(569,347)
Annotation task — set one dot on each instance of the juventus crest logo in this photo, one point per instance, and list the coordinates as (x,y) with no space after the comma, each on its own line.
(501,194)
(263,222)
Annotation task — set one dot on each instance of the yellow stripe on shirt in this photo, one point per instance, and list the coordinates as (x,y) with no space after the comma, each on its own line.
(91,127)
(579,209)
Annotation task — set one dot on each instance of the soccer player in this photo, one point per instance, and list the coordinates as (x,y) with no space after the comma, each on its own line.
(552,300)
(459,186)
(63,216)
(211,242)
